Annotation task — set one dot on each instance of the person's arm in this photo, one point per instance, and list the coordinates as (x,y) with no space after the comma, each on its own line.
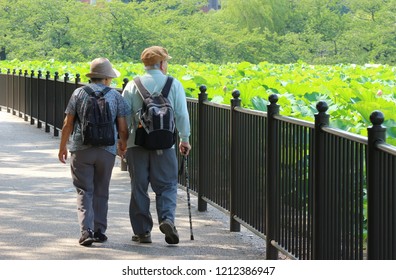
(127,97)
(123,134)
(182,118)
(68,125)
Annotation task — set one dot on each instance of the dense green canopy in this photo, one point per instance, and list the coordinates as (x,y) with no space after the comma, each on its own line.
(278,31)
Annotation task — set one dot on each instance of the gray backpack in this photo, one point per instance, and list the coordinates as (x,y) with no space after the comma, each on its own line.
(157,129)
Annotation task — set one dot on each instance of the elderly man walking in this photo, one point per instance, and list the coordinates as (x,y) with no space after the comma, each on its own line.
(157,167)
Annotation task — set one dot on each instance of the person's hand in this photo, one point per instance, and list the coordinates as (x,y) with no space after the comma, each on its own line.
(184,148)
(121,148)
(62,155)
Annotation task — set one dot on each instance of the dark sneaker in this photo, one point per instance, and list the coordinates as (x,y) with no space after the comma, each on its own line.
(99,236)
(142,238)
(86,238)
(169,229)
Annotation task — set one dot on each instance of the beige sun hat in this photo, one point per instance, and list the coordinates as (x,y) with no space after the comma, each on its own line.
(102,68)
(152,55)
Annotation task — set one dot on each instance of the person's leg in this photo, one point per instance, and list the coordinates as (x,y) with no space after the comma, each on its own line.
(139,207)
(104,164)
(163,178)
(163,174)
(82,170)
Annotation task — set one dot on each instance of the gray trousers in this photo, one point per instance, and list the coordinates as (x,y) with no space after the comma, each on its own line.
(159,169)
(91,173)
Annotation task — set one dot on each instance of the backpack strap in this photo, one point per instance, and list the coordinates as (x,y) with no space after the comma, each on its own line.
(105,90)
(167,86)
(144,93)
(90,91)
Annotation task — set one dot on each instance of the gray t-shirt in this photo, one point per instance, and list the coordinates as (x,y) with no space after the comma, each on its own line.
(118,108)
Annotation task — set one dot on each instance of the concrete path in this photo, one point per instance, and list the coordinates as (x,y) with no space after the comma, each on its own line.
(39,230)
(38,219)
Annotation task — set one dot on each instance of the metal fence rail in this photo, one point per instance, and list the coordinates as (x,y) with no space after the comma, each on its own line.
(343,171)
(295,185)
(248,170)
(192,105)
(311,191)
(381,193)
(387,197)
(216,153)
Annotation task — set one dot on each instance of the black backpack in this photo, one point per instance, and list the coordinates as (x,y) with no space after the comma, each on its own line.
(157,129)
(97,127)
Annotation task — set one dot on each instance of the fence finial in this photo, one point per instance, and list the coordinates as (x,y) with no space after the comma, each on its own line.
(236,93)
(125,82)
(273,98)
(322,106)
(202,89)
(377,117)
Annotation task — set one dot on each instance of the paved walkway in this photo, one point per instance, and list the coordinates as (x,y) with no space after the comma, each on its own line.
(38,220)
(38,223)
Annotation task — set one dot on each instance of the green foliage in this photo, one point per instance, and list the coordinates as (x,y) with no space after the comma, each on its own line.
(259,15)
(278,31)
(352,92)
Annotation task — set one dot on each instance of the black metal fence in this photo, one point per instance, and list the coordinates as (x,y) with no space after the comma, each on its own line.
(309,190)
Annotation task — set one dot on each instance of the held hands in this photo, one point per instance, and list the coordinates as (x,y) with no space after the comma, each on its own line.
(121,148)
(184,148)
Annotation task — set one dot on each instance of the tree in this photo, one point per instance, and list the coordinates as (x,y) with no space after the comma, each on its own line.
(371,34)
(282,31)
(258,14)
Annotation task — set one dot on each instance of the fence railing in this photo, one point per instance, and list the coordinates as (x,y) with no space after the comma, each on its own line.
(309,190)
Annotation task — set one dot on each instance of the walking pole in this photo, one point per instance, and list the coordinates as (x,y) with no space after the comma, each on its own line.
(188,196)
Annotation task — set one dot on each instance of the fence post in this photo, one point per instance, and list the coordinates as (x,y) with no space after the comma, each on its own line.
(124,166)
(13,92)
(235,102)
(8,90)
(47,127)
(376,135)
(54,119)
(66,79)
(19,92)
(202,183)
(30,97)
(25,74)
(77,80)
(272,163)
(319,250)
(39,75)
(64,99)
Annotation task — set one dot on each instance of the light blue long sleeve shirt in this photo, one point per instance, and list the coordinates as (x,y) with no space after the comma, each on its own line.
(154,80)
